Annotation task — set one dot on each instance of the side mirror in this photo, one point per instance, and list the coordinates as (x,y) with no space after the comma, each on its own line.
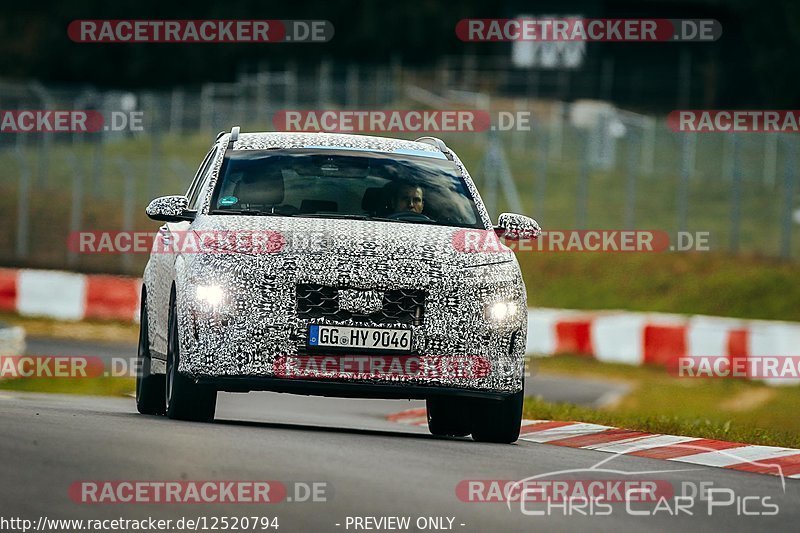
(169,209)
(516,227)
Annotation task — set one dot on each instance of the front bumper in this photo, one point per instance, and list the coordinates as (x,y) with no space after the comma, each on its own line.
(244,341)
(342,389)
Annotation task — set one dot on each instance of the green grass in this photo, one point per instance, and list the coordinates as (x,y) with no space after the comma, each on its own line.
(100,386)
(725,409)
(88,330)
(697,283)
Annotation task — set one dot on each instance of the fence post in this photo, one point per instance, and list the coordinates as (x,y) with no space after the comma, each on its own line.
(207,107)
(607,78)
(727,157)
(770,159)
(128,205)
(582,200)
(351,91)
(685,77)
(290,87)
(76,209)
(324,84)
(176,112)
(519,136)
(649,146)
(154,179)
(541,183)
(736,194)
(556,131)
(489,181)
(688,141)
(23,205)
(45,138)
(789,178)
(381,84)
(396,78)
(468,71)
(261,104)
(97,167)
(630,189)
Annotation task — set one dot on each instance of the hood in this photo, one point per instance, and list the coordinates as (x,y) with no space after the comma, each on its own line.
(291,237)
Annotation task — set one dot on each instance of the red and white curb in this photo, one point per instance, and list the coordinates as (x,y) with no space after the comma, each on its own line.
(658,338)
(772,460)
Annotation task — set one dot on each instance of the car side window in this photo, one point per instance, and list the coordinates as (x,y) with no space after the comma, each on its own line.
(194,189)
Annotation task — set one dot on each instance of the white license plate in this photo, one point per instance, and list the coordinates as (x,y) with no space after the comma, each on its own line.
(366,338)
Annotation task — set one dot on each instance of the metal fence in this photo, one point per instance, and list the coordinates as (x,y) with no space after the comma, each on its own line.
(579,165)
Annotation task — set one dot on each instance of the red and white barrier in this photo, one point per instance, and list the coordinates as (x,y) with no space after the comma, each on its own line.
(69,296)
(609,336)
(657,338)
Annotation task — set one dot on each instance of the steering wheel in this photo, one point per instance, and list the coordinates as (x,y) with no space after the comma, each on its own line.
(409,215)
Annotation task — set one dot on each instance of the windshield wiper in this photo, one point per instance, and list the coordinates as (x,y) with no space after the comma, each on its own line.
(406,220)
(254,212)
(333,215)
(354,216)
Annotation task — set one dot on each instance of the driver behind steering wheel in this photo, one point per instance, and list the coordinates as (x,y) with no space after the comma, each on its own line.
(407,197)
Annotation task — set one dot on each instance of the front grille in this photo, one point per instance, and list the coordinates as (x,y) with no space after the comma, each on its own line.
(400,306)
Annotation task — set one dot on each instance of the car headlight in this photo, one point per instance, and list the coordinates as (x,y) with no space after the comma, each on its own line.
(211,295)
(501,311)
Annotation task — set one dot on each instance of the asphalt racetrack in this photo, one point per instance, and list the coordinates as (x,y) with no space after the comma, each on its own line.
(363,464)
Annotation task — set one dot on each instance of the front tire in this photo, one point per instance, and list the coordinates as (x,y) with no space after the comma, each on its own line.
(186,400)
(498,420)
(150,396)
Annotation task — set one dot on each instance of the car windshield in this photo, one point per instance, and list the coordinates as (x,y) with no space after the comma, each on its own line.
(344,184)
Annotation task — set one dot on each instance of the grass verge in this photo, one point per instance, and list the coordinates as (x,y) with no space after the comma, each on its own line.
(725,409)
(100,386)
(86,330)
(691,283)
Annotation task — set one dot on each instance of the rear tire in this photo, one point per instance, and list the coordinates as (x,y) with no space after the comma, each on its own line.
(498,420)
(150,396)
(448,416)
(186,400)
